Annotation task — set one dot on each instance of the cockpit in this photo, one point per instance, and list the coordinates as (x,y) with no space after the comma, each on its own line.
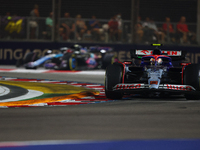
(156,61)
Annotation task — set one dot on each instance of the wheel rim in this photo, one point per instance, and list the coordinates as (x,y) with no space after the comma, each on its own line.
(72,63)
(114,59)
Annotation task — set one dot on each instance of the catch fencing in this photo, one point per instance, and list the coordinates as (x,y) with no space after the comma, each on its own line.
(16,28)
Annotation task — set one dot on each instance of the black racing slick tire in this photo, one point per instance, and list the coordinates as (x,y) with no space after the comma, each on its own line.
(32,56)
(70,61)
(108,59)
(192,78)
(19,63)
(28,58)
(113,76)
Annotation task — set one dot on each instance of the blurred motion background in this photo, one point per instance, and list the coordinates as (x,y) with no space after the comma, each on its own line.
(173,22)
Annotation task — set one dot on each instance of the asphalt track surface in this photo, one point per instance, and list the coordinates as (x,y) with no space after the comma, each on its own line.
(136,118)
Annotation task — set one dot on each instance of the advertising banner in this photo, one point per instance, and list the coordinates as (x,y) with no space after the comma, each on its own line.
(10,52)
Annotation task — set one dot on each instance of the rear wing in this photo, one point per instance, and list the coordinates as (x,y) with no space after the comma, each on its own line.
(175,55)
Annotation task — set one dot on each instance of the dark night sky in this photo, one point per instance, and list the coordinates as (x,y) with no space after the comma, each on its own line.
(104,9)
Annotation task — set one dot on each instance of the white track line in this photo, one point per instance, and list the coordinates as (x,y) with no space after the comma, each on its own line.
(89,72)
(4,90)
(27,71)
(30,94)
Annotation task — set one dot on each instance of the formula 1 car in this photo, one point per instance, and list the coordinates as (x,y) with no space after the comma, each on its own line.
(32,60)
(74,58)
(29,57)
(155,75)
(40,61)
(67,61)
(78,58)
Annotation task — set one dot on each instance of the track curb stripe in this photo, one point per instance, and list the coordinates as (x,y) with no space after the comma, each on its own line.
(88,97)
(48,100)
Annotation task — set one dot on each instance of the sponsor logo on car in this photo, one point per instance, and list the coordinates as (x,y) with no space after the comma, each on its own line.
(172,53)
(153,82)
(127,86)
(149,52)
(185,64)
(146,86)
(144,52)
(180,87)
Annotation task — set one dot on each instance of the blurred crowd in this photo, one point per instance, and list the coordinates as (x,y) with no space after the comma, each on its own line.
(148,31)
(95,30)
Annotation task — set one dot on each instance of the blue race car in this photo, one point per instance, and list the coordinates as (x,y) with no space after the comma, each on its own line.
(49,56)
(155,75)
(32,60)
(74,58)
(81,58)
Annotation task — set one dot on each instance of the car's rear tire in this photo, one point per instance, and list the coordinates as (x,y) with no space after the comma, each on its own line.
(108,59)
(32,56)
(192,77)
(31,67)
(113,76)
(27,59)
(71,62)
(19,63)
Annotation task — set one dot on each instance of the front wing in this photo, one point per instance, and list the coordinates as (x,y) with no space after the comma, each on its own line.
(162,87)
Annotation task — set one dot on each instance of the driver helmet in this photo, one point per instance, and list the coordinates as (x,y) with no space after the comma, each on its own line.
(48,52)
(152,61)
(157,51)
(63,49)
(83,50)
(159,61)
(76,47)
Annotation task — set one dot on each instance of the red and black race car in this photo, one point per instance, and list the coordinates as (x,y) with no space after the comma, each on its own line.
(155,75)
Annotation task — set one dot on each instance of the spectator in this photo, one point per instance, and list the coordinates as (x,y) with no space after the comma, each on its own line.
(152,32)
(113,29)
(49,24)
(68,26)
(119,20)
(120,26)
(6,18)
(168,30)
(13,26)
(149,36)
(18,26)
(94,27)
(62,34)
(81,27)
(139,30)
(33,21)
(159,34)
(4,22)
(184,34)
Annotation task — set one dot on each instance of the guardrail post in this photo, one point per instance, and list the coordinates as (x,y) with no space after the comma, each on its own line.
(198,21)
(134,16)
(53,17)
(28,29)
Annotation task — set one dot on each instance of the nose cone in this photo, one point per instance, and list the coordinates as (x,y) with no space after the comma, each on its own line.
(153,86)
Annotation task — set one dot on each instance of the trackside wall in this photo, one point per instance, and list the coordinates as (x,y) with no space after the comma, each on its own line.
(10,52)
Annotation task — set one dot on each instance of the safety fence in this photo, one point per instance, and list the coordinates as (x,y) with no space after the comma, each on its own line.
(14,28)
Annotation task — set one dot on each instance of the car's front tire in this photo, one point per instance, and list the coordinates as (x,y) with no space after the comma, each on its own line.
(113,76)
(192,78)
